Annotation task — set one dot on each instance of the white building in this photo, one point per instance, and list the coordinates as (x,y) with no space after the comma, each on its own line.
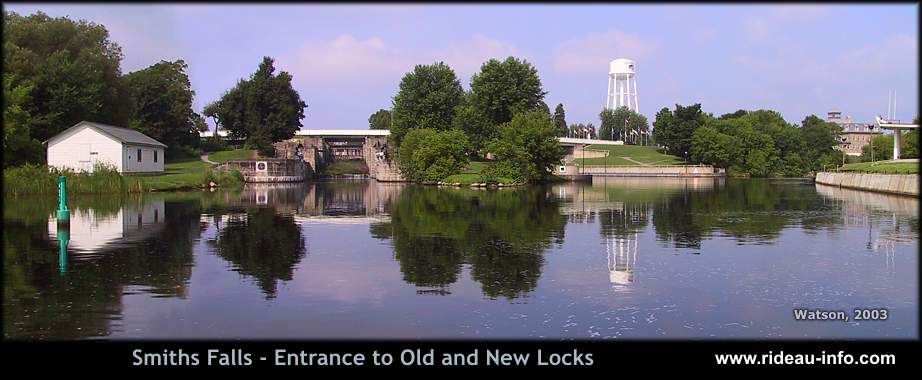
(86,144)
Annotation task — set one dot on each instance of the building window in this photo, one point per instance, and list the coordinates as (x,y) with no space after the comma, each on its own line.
(139,154)
(155,156)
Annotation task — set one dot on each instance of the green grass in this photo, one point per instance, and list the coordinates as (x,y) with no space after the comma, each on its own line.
(883,167)
(180,175)
(228,155)
(340,167)
(645,154)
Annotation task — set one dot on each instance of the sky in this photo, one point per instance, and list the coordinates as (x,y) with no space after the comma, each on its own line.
(347,60)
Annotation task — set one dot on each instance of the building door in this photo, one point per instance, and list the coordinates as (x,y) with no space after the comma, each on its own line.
(84,160)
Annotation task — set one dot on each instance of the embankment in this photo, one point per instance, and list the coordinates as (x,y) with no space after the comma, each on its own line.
(905,184)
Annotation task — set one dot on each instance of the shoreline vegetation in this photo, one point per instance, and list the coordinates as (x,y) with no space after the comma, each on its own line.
(190,174)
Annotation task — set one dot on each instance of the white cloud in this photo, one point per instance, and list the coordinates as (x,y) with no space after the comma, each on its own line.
(344,59)
(467,56)
(347,60)
(898,53)
(592,53)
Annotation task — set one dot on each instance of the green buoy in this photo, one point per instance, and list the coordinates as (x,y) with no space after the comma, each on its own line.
(63,212)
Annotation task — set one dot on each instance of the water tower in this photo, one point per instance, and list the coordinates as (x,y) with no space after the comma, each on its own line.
(622,85)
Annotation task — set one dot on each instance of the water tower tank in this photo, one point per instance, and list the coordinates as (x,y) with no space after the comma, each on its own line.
(622,85)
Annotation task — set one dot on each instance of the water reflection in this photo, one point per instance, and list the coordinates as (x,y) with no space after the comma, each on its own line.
(620,257)
(501,235)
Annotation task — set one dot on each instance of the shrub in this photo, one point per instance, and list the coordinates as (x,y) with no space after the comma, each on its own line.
(528,146)
(440,155)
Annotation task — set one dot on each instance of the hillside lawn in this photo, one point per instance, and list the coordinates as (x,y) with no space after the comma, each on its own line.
(643,154)
(882,167)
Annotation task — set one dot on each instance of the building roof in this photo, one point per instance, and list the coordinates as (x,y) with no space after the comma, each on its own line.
(123,135)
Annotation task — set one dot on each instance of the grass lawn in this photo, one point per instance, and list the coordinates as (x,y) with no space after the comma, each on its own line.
(645,154)
(227,155)
(189,173)
(339,167)
(883,167)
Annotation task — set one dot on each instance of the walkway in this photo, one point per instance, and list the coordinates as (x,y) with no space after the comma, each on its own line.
(204,157)
(635,161)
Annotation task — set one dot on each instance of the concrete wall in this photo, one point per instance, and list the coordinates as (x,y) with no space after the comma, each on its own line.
(655,171)
(907,184)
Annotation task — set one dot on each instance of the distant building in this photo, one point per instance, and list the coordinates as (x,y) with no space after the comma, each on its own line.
(87,144)
(854,135)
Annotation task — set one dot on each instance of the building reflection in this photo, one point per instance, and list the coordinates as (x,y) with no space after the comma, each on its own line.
(96,230)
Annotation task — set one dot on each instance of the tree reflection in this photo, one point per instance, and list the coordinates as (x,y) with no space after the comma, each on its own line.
(502,235)
(262,244)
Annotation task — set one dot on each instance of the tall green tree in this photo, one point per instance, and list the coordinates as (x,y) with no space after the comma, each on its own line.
(526,147)
(472,121)
(426,100)
(72,68)
(18,145)
(380,119)
(502,89)
(622,124)
(161,104)
(560,120)
(820,138)
(262,109)
(674,129)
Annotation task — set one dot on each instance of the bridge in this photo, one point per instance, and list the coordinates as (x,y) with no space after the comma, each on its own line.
(897,127)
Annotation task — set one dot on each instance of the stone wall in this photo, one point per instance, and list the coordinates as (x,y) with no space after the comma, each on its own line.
(655,171)
(907,184)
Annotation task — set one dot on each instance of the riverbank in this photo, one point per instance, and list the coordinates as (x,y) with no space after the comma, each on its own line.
(903,184)
(188,174)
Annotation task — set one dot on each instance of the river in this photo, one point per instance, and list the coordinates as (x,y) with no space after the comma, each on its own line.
(620,258)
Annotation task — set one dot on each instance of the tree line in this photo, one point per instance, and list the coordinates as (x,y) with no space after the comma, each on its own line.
(748,143)
(58,72)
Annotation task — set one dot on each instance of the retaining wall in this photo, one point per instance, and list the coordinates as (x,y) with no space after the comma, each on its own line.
(906,184)
(655,171)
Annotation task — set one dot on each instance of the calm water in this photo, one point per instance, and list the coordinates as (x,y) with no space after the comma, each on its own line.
(622,258)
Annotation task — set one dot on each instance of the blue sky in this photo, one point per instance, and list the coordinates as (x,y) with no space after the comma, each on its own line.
(347,60)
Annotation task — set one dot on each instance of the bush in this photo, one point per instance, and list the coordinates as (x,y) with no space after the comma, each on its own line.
(499,171)
(410,143)
(527,146)
(440,155)
(214,144)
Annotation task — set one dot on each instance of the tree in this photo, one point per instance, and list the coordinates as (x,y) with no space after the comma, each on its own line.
(161,104)
(560,120)
(262,109)
(18,145)
(819,138)
(411,142)
(502,89)
(440,155)
(469,119)
(674,129)
(72,68)
(527,147)
(426,100)
(380,120)
(622,124)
